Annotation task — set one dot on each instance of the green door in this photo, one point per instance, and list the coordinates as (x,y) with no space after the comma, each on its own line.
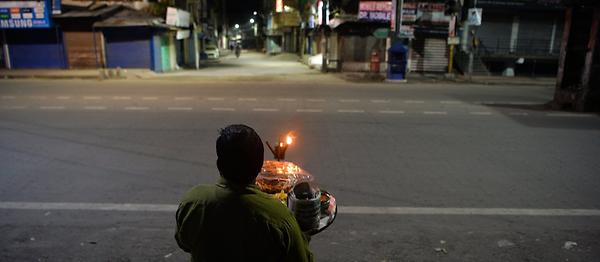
(164,53)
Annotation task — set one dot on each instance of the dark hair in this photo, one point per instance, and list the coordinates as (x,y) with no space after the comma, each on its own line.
(240,154)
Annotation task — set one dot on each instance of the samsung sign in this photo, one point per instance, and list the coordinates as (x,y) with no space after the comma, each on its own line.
(24,14)
(375,11)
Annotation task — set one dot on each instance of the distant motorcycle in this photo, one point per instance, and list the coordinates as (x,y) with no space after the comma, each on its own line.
(238,50)
(314,208)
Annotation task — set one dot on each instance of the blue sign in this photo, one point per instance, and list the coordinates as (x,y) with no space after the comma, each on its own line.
(24,14)
(56,7)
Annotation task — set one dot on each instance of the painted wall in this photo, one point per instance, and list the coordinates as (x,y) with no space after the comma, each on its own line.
(36,48)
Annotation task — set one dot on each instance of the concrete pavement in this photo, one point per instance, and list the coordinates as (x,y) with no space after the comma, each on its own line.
(435,146)
(252,66)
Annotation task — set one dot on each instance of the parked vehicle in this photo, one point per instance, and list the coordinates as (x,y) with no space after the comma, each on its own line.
(212,52)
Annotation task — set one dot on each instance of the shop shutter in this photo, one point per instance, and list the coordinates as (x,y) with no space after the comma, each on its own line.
(494,33)
(429,55)
(35,48)
(81,51)
(127,48)
(535,33)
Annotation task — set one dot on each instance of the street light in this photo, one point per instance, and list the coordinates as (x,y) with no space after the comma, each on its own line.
(237,26)
(254,13)
(252,20)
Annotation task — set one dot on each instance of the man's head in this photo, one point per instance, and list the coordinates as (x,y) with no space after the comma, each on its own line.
(240,154)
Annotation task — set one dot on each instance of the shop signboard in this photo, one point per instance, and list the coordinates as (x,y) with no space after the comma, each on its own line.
(56,4)
(375,11)
(474,17)
(522,4)
(406,31)
(432,13)
(177,17)
(453,40)
(24,14)
(409,12)
(381,33)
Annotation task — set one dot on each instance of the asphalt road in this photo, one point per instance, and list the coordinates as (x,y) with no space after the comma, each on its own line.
(518,180)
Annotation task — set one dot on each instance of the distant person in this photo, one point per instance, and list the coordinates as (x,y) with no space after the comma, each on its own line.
(238,50)
(233,220)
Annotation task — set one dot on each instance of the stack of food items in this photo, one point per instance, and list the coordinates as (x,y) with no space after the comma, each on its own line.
(278,177)
(314,209)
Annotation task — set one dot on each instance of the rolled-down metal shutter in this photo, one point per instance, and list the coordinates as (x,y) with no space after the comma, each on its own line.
(128,48)
(429,55)
(35,48)
(81,50)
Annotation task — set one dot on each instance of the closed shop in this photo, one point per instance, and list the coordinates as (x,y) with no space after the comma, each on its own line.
(82,52)
(536,32)
(36,48)
(355,52)
(428,55)
(494,33)
(128,48)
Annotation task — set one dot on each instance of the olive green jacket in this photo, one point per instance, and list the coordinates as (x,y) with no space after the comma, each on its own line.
(238,223)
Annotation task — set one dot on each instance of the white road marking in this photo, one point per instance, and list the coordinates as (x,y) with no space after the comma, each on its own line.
(149,98)
(52,107)
(466,211)
(568,115)
(8,97)
(265,109)
(391,112)
(414,101)
(247,99)
(450,102)
(136,108)
(92,97)
(179,98)
(180,108)
(316,100)
(380,101)
(94,108)
(63,97)
(350,210)
(215,98)
(435,112)
(222,109)
(121,98)
(518,114)
(351,111)
(14,107)
(286,99)
(524,103)
(349,100)
(39,97)
(309,110)
(88,206)
(481,113)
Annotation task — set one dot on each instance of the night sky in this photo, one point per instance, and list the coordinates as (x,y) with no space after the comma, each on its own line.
(240,11)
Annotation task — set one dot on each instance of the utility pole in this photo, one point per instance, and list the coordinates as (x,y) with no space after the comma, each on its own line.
(324,27)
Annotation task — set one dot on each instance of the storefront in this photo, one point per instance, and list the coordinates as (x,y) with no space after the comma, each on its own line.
(30,40)
(133,39)
(36,48)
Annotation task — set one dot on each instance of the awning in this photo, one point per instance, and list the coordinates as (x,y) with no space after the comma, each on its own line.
(128,17)
(357,27)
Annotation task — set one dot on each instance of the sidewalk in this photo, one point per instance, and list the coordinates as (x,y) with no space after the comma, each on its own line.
(76,74)
(250,67)
(441,78)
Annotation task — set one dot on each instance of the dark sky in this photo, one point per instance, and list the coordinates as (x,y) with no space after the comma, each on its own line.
(240,11)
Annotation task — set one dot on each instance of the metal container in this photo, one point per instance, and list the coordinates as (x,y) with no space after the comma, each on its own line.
(304,200)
